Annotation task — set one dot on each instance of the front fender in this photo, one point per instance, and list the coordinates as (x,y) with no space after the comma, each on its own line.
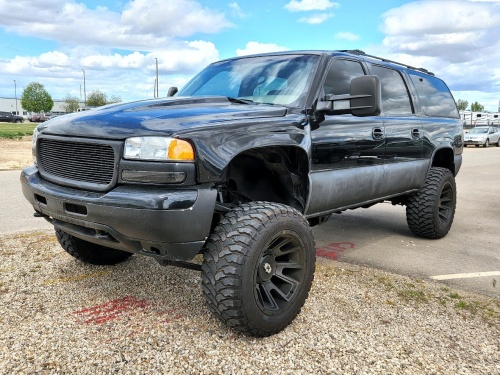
(216,148)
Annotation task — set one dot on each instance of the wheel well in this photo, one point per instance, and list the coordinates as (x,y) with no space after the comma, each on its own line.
(273,174)
(444,158)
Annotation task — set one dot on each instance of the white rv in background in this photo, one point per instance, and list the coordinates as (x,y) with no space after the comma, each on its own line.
(472,119)
(495,119)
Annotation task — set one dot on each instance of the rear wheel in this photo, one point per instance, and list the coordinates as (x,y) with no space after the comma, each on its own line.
(430,212)
(498,142)
(88,252)
(258,267)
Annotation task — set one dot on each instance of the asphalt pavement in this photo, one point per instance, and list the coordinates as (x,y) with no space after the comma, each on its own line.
(467,258)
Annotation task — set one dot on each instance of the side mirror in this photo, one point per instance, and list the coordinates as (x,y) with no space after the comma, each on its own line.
(172,91)
(366,93)
(364,99)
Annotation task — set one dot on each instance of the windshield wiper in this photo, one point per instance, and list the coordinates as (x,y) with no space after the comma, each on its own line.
(240,101)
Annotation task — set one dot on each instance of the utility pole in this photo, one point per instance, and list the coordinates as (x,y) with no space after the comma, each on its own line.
(84,89)
(15,93)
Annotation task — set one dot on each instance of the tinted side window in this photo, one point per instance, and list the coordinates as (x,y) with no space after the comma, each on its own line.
(434,95)
(395,98)
(340,75)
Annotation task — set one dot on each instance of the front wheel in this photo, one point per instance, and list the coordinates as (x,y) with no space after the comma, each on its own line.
(258,267)
(88,252)
(430,212)
(487,143)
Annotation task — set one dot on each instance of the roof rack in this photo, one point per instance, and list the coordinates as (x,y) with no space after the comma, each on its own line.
(362,53)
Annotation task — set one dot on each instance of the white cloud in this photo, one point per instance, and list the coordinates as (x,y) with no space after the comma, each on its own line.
(316,19)
(143,24)
(113,73)
(253,48)
(457,39)
(117,49)
(236,10)
(307,5)
(345,35)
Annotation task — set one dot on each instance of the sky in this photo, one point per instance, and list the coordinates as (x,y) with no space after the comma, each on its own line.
(115,44)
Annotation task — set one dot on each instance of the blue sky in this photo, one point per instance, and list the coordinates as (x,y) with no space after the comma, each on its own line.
(116,42)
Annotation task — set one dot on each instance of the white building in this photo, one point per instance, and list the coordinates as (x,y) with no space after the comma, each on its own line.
(14,106)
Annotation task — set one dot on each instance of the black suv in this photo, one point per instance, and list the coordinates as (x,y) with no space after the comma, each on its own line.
(239,165)
(9,117)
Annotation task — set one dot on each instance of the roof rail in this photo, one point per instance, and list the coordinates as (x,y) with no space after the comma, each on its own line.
(362,53)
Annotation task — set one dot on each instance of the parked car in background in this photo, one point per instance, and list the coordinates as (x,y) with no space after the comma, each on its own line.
(49,116)
(35,117)
(483,135)
(9,117)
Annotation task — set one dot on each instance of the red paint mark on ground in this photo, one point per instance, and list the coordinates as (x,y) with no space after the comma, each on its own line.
(333,250)
(110,310)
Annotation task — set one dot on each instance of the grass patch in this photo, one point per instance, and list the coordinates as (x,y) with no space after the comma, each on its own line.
(386,281)
(413,295)
(14,131)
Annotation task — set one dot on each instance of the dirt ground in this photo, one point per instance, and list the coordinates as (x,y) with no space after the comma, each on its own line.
(15,153)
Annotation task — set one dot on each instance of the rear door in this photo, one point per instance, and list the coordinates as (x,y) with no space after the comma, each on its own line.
(405,167)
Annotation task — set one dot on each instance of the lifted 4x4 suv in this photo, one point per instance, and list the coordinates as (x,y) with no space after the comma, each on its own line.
(239,165)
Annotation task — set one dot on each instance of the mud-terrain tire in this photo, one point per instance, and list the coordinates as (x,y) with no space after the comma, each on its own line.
(258,267)
(88,252)
(430,212)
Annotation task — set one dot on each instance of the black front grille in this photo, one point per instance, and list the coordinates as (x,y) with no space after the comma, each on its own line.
(76,162)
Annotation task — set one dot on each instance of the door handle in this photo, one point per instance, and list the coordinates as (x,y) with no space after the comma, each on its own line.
(378,133)
(415,133)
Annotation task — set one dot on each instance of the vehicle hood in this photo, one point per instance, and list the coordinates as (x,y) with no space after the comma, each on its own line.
(154,117)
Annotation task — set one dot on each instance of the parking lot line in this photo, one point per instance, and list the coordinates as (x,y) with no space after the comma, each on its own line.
(465,275)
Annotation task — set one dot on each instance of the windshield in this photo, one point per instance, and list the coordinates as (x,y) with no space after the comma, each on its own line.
(282,80)
(478,131)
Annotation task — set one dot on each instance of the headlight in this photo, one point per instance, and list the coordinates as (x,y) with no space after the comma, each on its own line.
(33,144)
(158,148)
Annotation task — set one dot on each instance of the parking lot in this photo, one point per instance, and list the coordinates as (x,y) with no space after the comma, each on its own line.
(468,257)
(375,306)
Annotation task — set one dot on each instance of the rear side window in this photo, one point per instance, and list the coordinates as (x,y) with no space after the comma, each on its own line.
(395,98)
(434,95)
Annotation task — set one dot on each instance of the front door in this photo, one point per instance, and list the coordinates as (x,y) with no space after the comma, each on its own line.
(347,151)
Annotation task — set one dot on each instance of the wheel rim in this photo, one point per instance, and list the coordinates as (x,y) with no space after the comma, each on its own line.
(279,273)
(445,210)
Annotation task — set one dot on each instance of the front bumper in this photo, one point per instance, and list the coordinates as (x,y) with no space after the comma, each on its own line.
(165,223)
(470,142)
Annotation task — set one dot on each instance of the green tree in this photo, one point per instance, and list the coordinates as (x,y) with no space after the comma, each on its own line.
(71,103)
(36,99)
(476,107)
(115,99)
(462,104)
(97,98)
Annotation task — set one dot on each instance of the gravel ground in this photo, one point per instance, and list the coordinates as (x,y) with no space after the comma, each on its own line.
(61,316)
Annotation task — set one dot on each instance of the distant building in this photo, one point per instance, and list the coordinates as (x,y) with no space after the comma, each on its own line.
(9,105)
